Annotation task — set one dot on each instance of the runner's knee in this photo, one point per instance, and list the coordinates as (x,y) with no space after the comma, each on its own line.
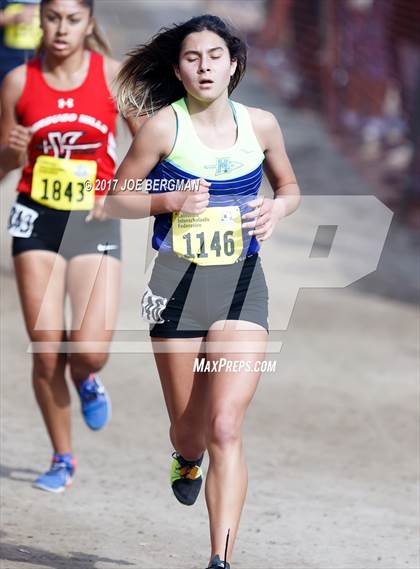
(223,431)
(81,365)
(46,366)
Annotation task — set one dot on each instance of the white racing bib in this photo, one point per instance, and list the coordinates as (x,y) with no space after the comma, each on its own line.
(21,220)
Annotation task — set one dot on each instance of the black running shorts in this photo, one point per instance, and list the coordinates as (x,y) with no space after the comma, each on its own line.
(183,299)
(36,227)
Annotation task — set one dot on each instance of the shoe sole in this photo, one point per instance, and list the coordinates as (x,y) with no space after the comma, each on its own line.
(180,499)
(53,490)
(185,503)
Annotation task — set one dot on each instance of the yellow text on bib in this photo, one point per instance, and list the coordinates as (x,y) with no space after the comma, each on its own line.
(22,36)
(211,238)
(60,183)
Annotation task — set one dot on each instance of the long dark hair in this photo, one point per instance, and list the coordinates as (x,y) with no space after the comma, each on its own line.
(96,40)
(147,81)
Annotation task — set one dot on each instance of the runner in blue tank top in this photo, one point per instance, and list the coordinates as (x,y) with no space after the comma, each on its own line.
(202,156)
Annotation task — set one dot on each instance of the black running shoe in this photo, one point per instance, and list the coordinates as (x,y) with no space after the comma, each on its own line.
(217,563)
(186,478)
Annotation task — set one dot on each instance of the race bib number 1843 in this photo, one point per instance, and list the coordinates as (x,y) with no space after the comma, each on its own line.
(61,183)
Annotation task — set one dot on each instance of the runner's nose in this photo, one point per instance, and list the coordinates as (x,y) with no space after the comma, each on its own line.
(204,66)
(62,28)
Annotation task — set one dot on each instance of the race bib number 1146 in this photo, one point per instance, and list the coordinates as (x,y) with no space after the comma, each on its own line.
(211,238)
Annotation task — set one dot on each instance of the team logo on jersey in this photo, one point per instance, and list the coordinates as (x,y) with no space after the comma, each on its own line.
(65,103)
(224,166)
(64,143)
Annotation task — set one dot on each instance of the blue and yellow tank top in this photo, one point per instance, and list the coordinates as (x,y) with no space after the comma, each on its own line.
(215,237)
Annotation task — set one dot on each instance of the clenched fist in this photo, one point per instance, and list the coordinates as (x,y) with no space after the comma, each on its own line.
(19,138)
(194,202)
(98,212)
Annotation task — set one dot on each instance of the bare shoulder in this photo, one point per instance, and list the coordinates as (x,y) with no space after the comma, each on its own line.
(14,83)
(159,130)
(262,121)
(112,66)
(111,69)
(11,91)
(161,123)
(266,126)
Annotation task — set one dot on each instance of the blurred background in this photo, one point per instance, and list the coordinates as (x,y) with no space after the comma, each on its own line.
(357,64)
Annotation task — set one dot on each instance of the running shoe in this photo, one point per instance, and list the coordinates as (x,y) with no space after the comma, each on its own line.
(59,476)
(217,563)
(186,478)
(96,405)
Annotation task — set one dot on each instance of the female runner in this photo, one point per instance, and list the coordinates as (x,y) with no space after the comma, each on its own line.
(58,122)
(207,293)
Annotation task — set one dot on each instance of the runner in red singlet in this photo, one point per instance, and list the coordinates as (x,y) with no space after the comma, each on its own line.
(58,122)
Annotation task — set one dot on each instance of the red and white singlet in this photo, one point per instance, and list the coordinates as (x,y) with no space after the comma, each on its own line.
(73,147)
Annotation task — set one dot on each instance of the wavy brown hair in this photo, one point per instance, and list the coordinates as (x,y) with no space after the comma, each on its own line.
(147,81)
(95,41)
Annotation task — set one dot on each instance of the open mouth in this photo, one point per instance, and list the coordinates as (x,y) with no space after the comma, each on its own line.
(60,44)
(206,82)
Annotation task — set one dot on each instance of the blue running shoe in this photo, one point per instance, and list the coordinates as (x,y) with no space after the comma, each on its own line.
(59,476)
(96,405)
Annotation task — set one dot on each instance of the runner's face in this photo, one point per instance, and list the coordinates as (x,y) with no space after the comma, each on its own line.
(66,24)
(205,67)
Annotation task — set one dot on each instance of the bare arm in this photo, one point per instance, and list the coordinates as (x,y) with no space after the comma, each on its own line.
(151,144)
(277,165)
(25,16)
(14,138)
(6,19)
(262,220)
